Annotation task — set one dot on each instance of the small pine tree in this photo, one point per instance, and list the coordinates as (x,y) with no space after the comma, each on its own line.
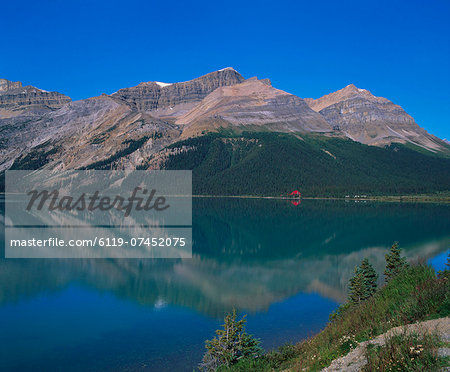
(231,344)
(394,262)
(370,277)
(357,287)
(363,284)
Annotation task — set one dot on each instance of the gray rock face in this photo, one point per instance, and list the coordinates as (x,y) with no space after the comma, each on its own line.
(252,105)
(155,96)
(23,132)
(23,118)
(366,121)
(93,131)
(372,120)
(14,98)
(82,133)
(6,85)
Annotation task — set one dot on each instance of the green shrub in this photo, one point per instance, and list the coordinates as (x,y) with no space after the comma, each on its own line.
(340,311)
(415,294)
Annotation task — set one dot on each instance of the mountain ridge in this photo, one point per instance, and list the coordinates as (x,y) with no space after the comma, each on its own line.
(171,99)
(16,98)
(136,126)
(252,103)
(372,120)
(347,92)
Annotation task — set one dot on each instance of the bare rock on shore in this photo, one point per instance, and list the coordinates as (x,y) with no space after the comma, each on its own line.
(355,360)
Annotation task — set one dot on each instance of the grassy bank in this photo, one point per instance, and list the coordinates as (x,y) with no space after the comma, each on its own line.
(415,294)
(406,352)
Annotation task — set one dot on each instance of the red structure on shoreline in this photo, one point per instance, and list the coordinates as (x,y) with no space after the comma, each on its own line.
(296,193)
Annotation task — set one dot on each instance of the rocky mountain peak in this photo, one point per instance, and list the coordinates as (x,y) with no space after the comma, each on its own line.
(227,68)
(16,98)
(353,89)
(6,85)
(349,92)
(172,99)
(252,105)
(372,120)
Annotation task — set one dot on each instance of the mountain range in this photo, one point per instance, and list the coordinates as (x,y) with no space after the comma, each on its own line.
(156,125)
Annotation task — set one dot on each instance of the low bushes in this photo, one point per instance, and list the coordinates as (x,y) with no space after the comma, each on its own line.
(415,294)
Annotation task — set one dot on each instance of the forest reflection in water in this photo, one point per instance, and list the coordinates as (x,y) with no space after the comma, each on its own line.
(249,254)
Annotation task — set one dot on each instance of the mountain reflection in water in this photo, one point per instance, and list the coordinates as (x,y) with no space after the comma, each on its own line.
(249,253)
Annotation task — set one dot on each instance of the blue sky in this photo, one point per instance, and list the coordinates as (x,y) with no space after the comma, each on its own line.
(396,49)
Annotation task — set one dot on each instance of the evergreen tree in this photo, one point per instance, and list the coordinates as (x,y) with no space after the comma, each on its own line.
(357,287)
(370,277)
(231,344)
(394,262)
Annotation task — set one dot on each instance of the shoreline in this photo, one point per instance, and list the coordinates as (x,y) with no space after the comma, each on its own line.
(387,198)
(386,319)
(390,198)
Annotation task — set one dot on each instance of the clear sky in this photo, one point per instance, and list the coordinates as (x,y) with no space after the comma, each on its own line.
(397,49)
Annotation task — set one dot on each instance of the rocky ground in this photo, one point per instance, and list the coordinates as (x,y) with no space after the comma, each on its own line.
(355,360)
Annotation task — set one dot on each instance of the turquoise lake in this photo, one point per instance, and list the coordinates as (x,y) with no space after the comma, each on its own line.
(286,266)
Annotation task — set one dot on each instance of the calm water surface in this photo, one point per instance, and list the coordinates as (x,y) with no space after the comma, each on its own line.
(286,266)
